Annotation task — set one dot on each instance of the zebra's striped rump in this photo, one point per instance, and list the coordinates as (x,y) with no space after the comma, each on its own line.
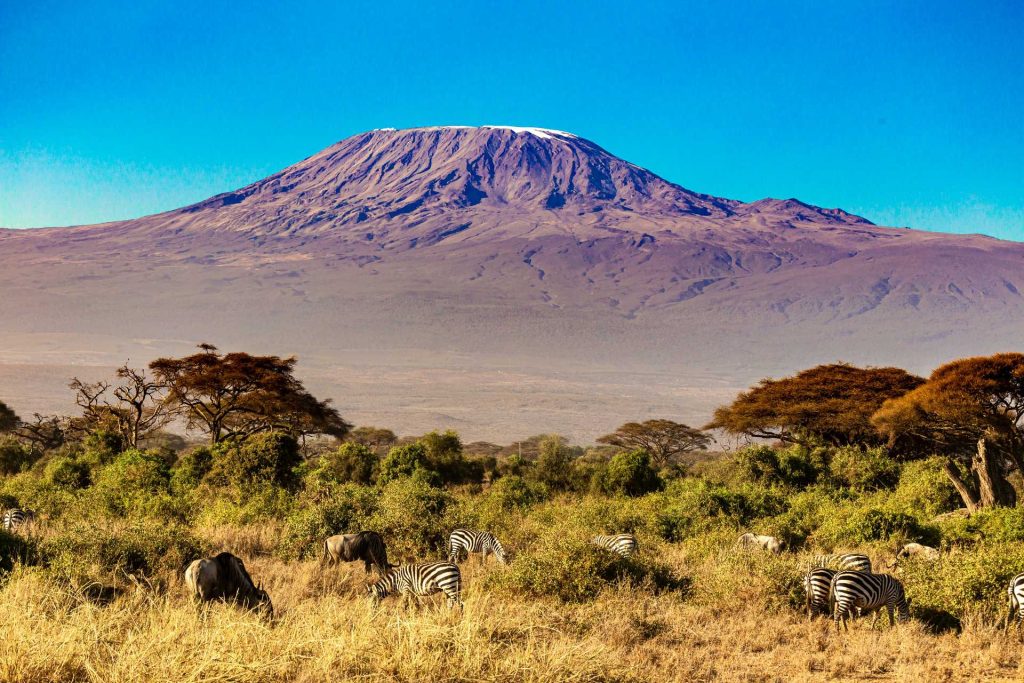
(848,562)
(1016,593)
(620,544)
(467,541)
(817,587)
(418,580)
(15,518)
(868,592)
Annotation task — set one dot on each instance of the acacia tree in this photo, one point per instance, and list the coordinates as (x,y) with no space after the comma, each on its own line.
(664,440)
(136,411)
(377,439)
(235,395)
(43,432)
(972,411)
(830,404)
(9,420)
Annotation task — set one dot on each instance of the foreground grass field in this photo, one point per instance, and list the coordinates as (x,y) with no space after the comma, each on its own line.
(728,624)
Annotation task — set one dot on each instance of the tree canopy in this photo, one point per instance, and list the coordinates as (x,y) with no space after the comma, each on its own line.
(831,404)
(965,402)
(664,440)
(235,395)
(9,420)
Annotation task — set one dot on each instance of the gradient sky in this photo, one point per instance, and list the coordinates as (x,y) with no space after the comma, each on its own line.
(909,113)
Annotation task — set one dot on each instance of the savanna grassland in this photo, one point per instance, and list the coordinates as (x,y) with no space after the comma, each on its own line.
(92,590)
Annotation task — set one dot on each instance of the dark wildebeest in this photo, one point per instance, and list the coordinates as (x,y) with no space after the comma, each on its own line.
(367,546)
(223,577)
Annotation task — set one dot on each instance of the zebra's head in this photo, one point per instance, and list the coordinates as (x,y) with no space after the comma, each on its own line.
(903,608)
(380,590)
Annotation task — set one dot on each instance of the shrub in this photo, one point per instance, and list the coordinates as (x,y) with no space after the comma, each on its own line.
(630,473)
(404,461)
(965,582)
(793,467)
(693,505)
(864,469)
(68,473)
(342,510)
(350,463)
(864,525)
(443,454)
(266,458)
(410,516)
(191,468)
(925,489)
(554,462)
(14,456)
(101,447)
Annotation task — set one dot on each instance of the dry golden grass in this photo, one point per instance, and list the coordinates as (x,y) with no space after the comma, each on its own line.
(325,630)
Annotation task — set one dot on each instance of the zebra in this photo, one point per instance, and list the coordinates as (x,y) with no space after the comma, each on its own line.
(817,588)
(847,562)
(621,544)
(868,592)
(15,518)
(417,580)
(1016,593)
(482,542)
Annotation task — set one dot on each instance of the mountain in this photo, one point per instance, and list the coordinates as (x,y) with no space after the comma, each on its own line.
(501,281)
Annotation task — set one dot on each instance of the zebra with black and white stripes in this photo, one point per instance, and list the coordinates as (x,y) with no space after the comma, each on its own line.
(483,542)
(846,562)
(620,544)
(16,518)
(1016,593)
(817,588)
(852,590)
(418,580)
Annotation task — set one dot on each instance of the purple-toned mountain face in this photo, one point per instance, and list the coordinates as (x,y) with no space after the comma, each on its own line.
(501,281)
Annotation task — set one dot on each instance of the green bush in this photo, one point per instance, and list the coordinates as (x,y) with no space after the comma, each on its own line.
(68,473)
(405,461)
(14,456)
(864,525)
(133,483)
(266,458)
(963,583)
(630,473)
(410,515)
(693,505)
(443,454)
(349,463)
(554,463)
(191,468)
(925,489)
(793,467)
(343,509)
(864,469)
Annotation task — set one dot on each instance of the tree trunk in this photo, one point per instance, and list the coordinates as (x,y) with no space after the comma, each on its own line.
(993,488)
(965,489)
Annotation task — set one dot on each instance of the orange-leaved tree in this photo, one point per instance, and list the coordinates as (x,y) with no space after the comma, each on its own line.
(971,411)
(828,404)
(235,395)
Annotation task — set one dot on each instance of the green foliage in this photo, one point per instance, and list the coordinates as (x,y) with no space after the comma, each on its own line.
(965,582)
(553,464)
(443,454)
(68,473)
(148,549)
(925,489)
(14,455)
(191,468)
(690,506)
(410,514)
(864,469)
(630,473)
(266,458)
(350,463)
(794,467)
(14,549)
(342,509)
(135,482)
(101,446)
(402,461)
(864,525)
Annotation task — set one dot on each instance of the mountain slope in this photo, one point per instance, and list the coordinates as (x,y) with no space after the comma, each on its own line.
(441,260)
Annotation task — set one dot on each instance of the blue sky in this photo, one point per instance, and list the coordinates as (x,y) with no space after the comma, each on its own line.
(910,113)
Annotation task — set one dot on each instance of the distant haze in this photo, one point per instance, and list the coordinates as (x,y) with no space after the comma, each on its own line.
(501,282)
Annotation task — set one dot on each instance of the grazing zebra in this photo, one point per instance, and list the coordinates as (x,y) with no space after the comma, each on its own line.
(15,518)
(848,562)
(621,544)
(1016,593)
(868,592)
(817,587)
(417,580)
(482,542)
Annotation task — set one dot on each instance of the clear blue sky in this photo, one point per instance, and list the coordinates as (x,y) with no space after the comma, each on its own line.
(910,113)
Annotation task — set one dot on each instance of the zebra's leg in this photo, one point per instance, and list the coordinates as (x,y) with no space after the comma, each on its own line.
(892,616)
(874,618)
(483,557)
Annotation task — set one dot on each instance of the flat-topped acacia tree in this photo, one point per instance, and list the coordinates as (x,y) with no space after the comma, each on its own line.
(971,411)
(235,395)
(828,404)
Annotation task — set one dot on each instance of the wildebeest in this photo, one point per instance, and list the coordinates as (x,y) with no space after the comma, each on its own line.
(223,577)
(367,546)
(769,543)
(915,551)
